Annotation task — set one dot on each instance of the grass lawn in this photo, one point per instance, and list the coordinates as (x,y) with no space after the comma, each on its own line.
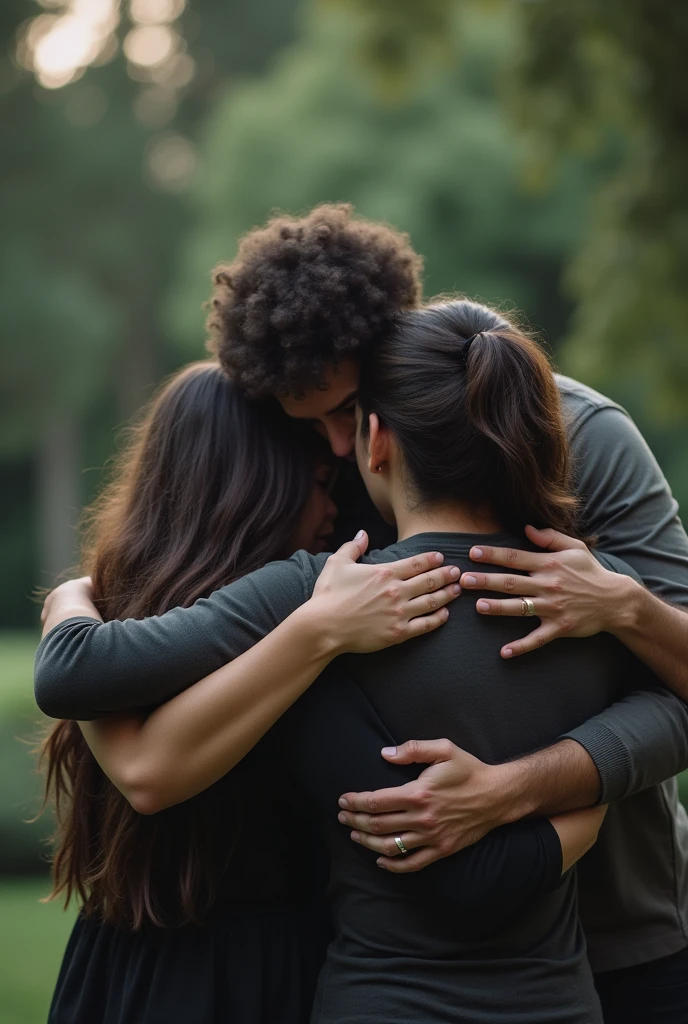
(17,650)
(33,936)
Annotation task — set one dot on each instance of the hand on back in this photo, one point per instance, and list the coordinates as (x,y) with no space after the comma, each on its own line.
(369,607)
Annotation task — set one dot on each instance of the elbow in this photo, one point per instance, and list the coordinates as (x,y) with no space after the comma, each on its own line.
(143,788)
(144,800)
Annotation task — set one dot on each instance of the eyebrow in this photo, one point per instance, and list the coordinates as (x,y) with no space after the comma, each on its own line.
(344,402)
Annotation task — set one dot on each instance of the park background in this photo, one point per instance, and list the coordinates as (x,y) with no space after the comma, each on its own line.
(536,152)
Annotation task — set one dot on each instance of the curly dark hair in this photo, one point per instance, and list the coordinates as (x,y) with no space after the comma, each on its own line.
(305,292)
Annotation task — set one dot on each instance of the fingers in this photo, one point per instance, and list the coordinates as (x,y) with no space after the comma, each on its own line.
(510,606)
(386,845)
(398,798)
(538,638)
(407,568)
(424,624)
(412,862)
(503,582)
(429,582)
(354,549)
(512,558)
(375,825)
(431,602)
(420,752)
(552,539)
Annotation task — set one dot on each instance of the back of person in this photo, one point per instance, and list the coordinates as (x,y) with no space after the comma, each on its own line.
(398,958)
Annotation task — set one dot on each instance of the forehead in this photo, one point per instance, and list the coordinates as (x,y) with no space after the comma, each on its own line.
(339,384)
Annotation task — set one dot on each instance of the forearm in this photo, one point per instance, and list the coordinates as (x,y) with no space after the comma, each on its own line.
(656,632)
(560,778)
(87,669)
(184,746)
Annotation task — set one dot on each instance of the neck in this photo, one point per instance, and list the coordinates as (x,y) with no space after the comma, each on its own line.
(455,518)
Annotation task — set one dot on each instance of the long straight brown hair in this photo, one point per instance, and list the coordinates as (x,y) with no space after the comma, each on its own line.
(474,406)
(209,487)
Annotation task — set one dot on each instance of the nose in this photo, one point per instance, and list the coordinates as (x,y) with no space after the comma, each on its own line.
(341,441)
(332,510)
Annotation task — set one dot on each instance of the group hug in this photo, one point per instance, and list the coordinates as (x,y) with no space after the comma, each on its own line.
(370,699)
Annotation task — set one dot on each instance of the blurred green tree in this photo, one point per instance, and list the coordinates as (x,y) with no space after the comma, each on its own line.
(92,208)
(438,160)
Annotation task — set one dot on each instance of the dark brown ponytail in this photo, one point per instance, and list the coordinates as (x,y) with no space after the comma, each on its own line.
(475,409)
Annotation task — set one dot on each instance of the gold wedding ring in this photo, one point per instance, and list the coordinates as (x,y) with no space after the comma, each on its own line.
(527,606)
(400,843)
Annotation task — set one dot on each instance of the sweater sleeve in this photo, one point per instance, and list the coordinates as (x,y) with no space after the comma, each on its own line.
(86,669)
(642,739)
(332,738)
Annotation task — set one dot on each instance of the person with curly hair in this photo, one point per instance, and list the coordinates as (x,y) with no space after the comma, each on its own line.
(292,316)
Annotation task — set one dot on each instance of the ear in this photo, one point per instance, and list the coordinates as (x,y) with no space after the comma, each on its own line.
(378,444)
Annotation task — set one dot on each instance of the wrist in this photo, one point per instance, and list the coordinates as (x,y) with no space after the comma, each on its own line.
(320,629)
(625,606)
(510,791)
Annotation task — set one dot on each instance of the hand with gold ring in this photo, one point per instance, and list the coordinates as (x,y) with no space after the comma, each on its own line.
(565,587)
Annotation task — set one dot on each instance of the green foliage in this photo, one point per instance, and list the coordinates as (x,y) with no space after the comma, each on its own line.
(440,162)
(32,940)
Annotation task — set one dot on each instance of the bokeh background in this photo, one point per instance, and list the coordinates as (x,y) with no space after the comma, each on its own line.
(536,152)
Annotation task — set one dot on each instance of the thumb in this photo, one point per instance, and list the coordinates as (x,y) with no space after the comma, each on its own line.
(353,549)
(552,540)
(419,752)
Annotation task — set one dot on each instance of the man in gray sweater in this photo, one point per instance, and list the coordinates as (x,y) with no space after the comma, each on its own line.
(290,316)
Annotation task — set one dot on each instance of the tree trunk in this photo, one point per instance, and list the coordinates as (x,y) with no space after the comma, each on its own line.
(59,498)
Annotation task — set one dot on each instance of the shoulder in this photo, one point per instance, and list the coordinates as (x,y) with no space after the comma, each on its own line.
(580,402)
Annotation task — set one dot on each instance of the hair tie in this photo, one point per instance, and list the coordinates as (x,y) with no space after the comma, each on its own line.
(466,347)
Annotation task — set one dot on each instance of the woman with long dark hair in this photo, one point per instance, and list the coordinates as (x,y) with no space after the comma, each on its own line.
(460,439)
(182,918)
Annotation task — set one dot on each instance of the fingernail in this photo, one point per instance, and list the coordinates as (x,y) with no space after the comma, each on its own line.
(507,652)
(482,606)
(456,588)
(381,865)
(454,572)
(477,553)
(342,817)
(358,535)
(438,557)
(343,802)
(389,751)
(356,836)
(469,581)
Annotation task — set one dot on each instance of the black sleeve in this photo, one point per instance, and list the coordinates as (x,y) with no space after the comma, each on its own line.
(333,737)
(86,669)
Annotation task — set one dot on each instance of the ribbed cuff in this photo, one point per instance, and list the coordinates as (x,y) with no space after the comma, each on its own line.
(611,756)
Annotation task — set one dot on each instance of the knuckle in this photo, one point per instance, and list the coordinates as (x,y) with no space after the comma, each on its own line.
(553,563)
(430,580)
(566,624)
(428,624)
(428,821)
(541,641)
(385,573)
(398,631)
(392,593)
(511,555)
(556,585)
(373,804)
(510,583)
(417,565)
(375,826)
(432,603)
(558,605)
(412,747)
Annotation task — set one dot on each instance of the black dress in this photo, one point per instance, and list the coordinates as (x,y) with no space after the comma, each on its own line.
(255,957)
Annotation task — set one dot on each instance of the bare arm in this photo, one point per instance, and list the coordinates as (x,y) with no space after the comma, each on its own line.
(184,746)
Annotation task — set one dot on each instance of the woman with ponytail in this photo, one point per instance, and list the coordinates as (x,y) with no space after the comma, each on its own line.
(460,441)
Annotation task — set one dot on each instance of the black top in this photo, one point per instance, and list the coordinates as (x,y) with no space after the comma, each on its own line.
(256,957)
(399,944)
